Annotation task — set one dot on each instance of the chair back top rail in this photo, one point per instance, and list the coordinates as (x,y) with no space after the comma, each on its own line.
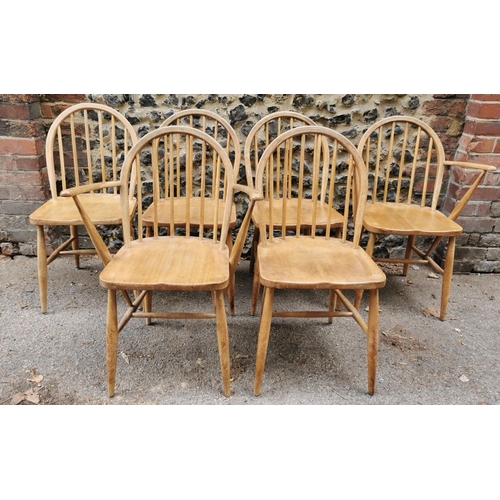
(262,134)
(82,138)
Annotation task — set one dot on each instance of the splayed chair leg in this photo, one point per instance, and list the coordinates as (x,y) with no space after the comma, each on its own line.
(222,339)
(372,340)
(448,273)
(265,328)
(41,255)
(111,341)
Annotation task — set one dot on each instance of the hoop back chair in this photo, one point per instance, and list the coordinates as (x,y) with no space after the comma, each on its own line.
(86,143)
(261,135)
(191,258)
(220,129)
(407,161)
(322,168)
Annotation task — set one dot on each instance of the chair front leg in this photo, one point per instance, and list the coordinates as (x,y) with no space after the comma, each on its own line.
(447,275)
(111,341)
(222,339)
(264,330)
(372,339)
(41,255)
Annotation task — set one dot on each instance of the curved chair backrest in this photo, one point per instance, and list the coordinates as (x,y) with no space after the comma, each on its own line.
(87,143)
(215,126)
(262,134)
(179,162)
(407,160)
(321,166)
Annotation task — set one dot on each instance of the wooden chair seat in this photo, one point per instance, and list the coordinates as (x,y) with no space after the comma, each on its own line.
(195,210)
(62,211)
(330,263)
(404,219)
(320,212)
(168,263)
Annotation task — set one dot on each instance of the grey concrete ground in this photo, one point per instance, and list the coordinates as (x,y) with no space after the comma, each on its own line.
(59,357)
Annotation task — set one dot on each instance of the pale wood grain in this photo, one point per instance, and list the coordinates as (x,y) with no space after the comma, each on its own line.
(75,151)
(318,260)
(412,212)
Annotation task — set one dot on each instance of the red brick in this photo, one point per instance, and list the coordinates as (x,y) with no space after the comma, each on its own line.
(476,209)
(483,110)
(448,107)
(470,127)
(19,98)
(8,163)
(487,159)
(463,176)
(16,178)
(18,146)
(476,224)
(488,128)
(65,98)
(46,110)
(14,111)
(492,178)
(484,193)
(485,97)
(482,145)
(33,193)
(28,163)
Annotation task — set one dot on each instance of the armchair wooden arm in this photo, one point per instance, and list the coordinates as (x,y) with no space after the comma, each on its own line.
(254,196)
(101,248)
(466,197)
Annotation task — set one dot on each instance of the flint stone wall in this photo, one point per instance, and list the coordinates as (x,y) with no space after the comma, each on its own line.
(349,114)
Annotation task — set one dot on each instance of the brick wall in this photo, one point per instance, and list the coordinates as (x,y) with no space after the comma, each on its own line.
(22,187)
(469,126)
(479,246)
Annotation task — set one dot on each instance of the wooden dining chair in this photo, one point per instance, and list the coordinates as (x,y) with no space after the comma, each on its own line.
(261,135)
(220,129)
(321,167)
(188,258)
(406,162)
(85,143)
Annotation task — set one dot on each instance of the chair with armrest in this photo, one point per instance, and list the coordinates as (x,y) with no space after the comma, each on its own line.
(188,258)
(86,143)
(317,166)
(407,161)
